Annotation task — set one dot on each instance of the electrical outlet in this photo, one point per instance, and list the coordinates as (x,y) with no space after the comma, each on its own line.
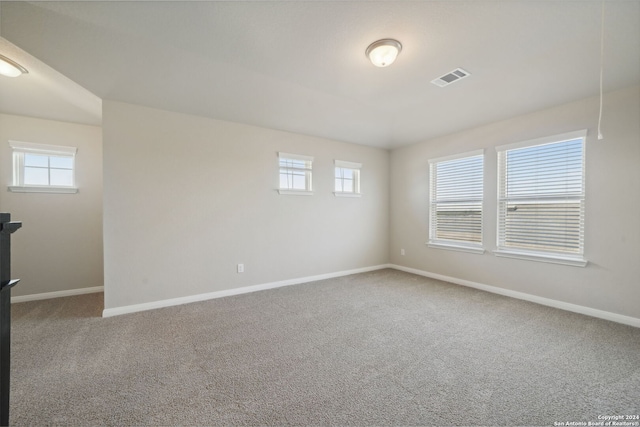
(240,268)
(402,252)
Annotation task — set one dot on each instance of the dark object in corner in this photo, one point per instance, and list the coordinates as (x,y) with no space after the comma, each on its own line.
(6,228)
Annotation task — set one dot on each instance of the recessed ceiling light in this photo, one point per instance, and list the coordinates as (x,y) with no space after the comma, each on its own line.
(383,52)
(11,68)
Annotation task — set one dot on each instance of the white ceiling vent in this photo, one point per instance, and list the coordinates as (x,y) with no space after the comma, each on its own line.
(451,77)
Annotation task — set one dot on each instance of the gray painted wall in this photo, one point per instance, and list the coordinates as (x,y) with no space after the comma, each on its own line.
(60,244)
(611,281)
(187,198)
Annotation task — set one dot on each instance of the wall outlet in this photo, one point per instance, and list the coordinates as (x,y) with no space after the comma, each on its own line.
(402,252)
(240,268)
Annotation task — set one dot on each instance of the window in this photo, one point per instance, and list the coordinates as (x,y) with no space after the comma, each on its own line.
(295,174)
(541,199)
(347,179)
(455,194)
(43,168)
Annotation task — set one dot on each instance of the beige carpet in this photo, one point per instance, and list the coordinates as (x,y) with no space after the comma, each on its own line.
(379,348)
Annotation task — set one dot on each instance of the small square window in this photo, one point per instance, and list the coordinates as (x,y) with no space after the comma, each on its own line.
(295,174)
(43,168)
(347,178)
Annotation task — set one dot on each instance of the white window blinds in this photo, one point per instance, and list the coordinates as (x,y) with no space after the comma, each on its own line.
(541,196)
(456,194)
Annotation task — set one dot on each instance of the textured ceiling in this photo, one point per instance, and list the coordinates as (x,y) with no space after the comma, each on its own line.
(300,66)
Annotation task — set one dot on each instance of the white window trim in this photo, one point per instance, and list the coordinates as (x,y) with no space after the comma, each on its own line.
(539,256)
(46,149)
(479,152)
(474,248)
(42,189)
(356,181)
(283,155)
(32,147)
(548,257)
(348,165)
(544,140)
(346,194)
(284,191)
(309,176)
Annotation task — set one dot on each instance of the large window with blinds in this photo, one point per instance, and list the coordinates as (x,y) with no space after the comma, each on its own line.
(541,199)
(455,198)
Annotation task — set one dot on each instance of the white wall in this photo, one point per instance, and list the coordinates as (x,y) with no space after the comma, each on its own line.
(611,281)
(187,198)
(59,246)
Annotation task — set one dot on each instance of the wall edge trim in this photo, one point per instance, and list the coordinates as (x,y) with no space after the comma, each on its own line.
(134,308)
(588,311)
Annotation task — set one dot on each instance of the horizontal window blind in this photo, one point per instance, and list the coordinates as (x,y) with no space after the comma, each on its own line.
(541,197)
(456,194)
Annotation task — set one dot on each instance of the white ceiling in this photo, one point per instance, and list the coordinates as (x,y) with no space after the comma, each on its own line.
(44,92)
(300,66)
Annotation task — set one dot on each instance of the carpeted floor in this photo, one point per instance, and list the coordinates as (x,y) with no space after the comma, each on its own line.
(380,348)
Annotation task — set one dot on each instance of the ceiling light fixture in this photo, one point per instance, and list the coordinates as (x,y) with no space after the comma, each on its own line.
(383,52)
(11,68)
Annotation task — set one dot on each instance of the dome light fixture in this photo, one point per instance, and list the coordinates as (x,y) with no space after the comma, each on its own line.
(11,68)
(383,52)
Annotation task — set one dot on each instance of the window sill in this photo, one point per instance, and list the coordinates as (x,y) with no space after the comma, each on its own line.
(540,257)
(46,189)
(454,247)
(343,194)
(295,192)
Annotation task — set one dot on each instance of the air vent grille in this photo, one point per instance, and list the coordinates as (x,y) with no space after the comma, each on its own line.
(450,77)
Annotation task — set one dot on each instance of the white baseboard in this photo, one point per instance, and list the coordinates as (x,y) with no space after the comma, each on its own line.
(606,315)
(116,311)
(57,294)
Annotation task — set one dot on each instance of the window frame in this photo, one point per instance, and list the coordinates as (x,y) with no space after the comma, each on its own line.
(19,149)
(549,256)
(450,244)
(308,174)
(355,168)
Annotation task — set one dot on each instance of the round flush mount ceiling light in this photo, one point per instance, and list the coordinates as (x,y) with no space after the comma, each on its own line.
(11,68)
(383,52)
